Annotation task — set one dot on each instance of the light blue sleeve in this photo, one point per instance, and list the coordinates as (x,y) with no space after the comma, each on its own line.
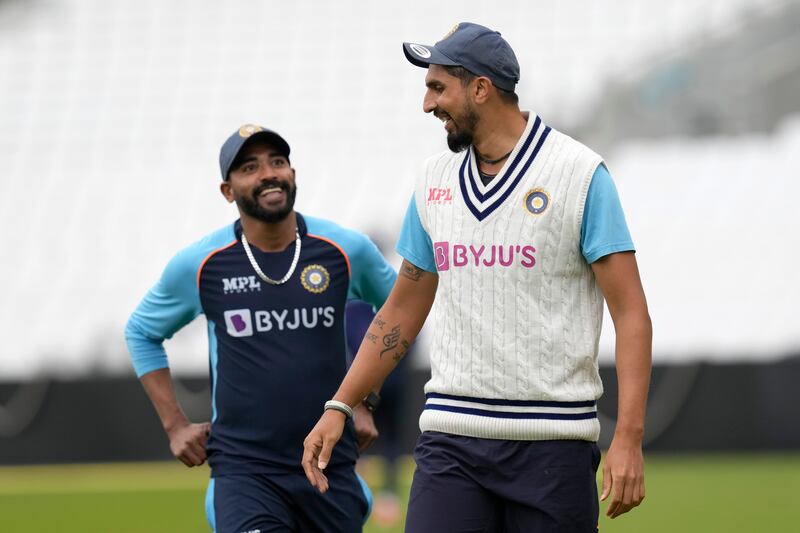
(371,276)
(171,304)
(603,228)
(414,243)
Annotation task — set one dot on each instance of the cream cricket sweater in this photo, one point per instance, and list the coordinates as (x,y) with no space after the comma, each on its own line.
(517,312)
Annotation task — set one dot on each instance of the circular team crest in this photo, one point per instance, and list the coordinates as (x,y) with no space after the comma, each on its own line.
(315,278)
(248,129)
(536,201)
(420,50)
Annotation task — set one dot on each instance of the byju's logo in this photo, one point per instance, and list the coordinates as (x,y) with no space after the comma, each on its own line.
(240,284)
(239,323)
(441,254)
(244,322)
(438,195)
(463,255)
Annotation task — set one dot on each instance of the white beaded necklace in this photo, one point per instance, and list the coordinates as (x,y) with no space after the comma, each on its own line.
(263,276)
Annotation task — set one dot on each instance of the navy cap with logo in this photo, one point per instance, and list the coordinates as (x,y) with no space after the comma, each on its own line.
(476,48)
(248,132)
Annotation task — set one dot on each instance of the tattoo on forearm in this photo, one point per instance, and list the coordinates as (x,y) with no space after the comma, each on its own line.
(372,338)
(378,321)
(391,339)
(404,346)
(410,271)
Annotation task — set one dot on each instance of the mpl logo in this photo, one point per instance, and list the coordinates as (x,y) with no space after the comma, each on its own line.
(438,195)
(483,255)
(240,284)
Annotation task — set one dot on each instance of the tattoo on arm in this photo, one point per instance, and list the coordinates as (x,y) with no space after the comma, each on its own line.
(378,321)
(404,346)
(391,339)
(372,337)
(410,271)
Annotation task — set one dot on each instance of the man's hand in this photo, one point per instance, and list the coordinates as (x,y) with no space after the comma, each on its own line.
(318,446)
(623,472)
(365,427)
(187,442)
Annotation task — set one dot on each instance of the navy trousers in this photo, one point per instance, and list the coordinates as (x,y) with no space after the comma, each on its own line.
(466,485)
(272,503)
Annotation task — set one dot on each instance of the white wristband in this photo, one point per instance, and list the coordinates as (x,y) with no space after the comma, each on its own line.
(342,407)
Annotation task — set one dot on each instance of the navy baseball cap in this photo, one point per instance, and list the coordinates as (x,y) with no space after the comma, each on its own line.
(476,48)
(235,142)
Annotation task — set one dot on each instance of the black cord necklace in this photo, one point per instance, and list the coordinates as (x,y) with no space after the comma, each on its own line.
(491,161)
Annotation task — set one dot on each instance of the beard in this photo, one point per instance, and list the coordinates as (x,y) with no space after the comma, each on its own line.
(461,139)
(252,207)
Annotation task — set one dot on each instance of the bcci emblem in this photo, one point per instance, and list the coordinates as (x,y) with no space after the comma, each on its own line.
(536,201)
(315,278)
(248,129)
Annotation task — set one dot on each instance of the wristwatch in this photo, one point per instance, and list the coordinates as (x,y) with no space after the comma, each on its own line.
(372,401)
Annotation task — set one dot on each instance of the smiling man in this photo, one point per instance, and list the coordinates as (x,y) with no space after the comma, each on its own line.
(518,234)
(273,287)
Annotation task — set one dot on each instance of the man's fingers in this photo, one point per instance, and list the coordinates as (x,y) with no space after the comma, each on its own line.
(636,496)
(622,500)
(199,451)
(607,483)
(197,455)
(191,458)
(195,449)
(205,431)
(188,444)
(314,475)
(310,462)
(325,453)
(611,512)
(616,496)
(612,507)
(318,447)
(635,493)
(309,458)
(322,480)
(623,479)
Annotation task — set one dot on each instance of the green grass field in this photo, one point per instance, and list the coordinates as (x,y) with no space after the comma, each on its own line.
(698,493)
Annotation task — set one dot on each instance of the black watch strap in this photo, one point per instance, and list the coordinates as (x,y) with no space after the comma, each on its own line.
(372,401)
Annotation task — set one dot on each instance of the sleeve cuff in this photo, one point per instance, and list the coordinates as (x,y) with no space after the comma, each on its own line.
(418,262)
(609,249)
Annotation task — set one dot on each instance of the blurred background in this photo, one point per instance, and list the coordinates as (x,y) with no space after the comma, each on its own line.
(112,117)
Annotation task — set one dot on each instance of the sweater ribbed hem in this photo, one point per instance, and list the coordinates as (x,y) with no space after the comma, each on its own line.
(490,427)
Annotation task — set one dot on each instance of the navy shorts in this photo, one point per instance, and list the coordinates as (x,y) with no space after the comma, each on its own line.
(466,484)
(286,502)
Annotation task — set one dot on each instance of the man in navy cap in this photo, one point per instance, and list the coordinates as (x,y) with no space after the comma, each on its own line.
(273,287)
(518,234)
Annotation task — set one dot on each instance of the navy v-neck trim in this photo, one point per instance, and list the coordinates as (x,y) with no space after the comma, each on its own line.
(494,197)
